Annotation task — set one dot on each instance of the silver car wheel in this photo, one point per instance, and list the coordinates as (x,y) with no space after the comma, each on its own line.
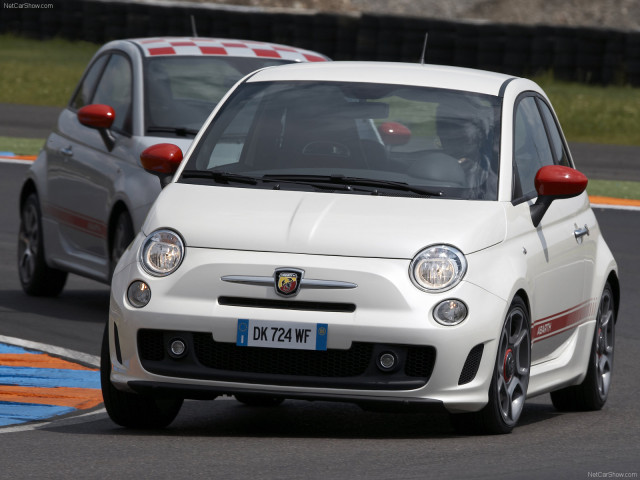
(605,331)
(513,369)
(28,239)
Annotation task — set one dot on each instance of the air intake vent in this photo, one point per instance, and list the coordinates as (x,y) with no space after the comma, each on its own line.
(471,365)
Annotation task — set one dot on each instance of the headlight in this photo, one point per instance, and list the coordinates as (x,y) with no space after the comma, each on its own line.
(437,268)
(162,252)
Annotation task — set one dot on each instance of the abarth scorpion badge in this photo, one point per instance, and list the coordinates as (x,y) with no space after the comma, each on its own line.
(287,281)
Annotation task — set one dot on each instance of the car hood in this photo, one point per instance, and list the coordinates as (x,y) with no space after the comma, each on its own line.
(323,223)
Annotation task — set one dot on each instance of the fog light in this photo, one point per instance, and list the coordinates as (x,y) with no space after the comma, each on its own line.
(450,312)
(177,348)
(387,361)
(138,294)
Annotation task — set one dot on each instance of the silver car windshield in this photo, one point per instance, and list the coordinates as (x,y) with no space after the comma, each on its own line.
(181,91)
(440,142)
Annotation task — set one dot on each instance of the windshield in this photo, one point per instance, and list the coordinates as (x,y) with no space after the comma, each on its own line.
(181,91)
(437,141)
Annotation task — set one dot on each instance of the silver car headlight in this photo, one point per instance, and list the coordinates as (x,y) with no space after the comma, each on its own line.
(437,268)
(162,253)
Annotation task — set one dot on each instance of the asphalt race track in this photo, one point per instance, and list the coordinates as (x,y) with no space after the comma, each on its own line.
(301,439)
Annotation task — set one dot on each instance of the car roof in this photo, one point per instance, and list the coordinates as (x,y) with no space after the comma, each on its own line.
(437,76)
(191,46)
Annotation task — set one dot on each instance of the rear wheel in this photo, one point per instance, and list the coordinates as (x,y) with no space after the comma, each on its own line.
(130,409)
(592,393)
(510,380)
(36,277)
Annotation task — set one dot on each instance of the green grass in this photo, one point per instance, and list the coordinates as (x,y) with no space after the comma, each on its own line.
(21,146)
(595,114)
(615,189)
(41,72)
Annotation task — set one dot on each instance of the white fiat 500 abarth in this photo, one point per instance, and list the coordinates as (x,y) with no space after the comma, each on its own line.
(377,233)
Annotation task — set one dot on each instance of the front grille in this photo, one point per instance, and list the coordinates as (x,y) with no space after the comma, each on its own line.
(274,361)
(471,365)
(352,368)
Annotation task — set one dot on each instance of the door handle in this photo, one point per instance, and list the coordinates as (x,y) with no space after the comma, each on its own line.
(67,151)
(580,232)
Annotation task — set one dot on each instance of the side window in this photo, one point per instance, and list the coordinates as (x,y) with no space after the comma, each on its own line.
(554,134)
(531,146)
(83,95)
(115,90)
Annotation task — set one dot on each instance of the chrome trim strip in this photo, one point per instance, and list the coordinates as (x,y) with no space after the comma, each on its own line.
(309,283)
(248,280)
(304,283)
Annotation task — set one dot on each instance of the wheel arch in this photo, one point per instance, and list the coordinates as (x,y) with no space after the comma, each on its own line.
(119,207)
(522,293)
(28,188)
(614,282)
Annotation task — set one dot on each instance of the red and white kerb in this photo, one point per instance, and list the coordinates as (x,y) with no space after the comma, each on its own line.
(219,46)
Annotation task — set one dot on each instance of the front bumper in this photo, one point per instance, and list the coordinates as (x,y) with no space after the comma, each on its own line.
(438,365)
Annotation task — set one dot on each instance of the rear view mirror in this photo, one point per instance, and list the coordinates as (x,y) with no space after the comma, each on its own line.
(162,160)
(96,116)
(555,182)
(394,134)
(100,117)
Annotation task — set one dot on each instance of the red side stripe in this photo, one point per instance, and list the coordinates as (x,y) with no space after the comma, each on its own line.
(563,321)
(85,224)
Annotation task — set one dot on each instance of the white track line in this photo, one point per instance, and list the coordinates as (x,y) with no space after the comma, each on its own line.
(85,358)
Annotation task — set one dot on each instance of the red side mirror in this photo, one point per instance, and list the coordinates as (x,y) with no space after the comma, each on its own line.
(163,158)
(559,181)
(394,133)
(554,182)
(97,116)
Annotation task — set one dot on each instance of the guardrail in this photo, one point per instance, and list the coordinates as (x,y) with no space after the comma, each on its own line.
(591,55)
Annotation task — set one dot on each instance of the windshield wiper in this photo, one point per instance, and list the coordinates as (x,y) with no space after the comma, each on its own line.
(355,181)
(179,131)
(220,177)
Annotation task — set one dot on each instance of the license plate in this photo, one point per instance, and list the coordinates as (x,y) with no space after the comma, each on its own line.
(268,334)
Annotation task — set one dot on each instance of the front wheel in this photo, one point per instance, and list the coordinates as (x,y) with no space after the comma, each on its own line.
(592,393)
(130,409)
(510,379)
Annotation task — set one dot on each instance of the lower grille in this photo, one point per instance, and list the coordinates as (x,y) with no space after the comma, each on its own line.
(308,363)
(352,368)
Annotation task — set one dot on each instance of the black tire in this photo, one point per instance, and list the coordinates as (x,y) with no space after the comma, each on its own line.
(510,379)
(592,393)
(254,400)
(36,277)
(122,237)
(129,409)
